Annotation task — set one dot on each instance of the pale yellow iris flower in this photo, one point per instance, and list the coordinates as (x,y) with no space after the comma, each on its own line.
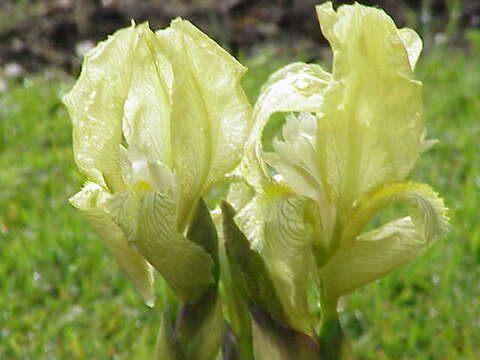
(157,119)
(350,139)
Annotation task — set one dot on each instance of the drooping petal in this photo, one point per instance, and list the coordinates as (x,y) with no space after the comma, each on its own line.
(88,201)
(124,85)
(295,87)
(374,254)
(283,239)
(148,217)
(210,117)
(427,209)
(369,126)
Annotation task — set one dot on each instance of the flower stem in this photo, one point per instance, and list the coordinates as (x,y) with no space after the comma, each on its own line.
(332,341)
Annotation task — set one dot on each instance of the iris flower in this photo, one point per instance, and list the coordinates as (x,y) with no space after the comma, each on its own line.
(350,139)
(157,119)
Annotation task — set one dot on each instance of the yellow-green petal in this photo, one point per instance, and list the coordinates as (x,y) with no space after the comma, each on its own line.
(301,169)
(413,44)
(296,87)
(283,239)
(148,217)
(210,117)
(146,122)
(98,101)
(367,257)
(239,195)
(89,201)
(369,126)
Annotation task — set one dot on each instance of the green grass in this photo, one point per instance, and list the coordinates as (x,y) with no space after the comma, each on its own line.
(62,297)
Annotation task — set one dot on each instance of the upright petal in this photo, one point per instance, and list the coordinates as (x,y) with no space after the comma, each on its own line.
(123,92)
(297,161)
(369,127)
(95,105)
(295,87)
(148,104)
(210,116)
(413,44)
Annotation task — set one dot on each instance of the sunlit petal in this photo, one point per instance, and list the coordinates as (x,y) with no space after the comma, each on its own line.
(148,217)
(295,87)
(89,201)
(369,129)
(283,238)
(210,116)
(374,254)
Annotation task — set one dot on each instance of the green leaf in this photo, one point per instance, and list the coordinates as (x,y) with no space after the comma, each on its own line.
(238,338)
(89,201)
(202,231)
(370,256)
(210,117)
(167,346)
(249,273)
(274,341)
(283,239)
(149,217)
(199,326)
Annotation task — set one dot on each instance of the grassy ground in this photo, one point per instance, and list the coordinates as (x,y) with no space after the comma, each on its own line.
(61,297)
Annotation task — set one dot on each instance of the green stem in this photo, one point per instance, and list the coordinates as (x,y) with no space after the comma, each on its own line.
(332,341)
(330,337)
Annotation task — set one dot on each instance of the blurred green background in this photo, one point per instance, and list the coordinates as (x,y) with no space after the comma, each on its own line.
(62,297)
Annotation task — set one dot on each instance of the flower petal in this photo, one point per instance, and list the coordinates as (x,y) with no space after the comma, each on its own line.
(413,44)
(283,239)
(119,79)
(147,105)
(295,87)
(297,161)
(148,217)
(369,128)
(210,114)
(239,195)
(374,254)
(89,201)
